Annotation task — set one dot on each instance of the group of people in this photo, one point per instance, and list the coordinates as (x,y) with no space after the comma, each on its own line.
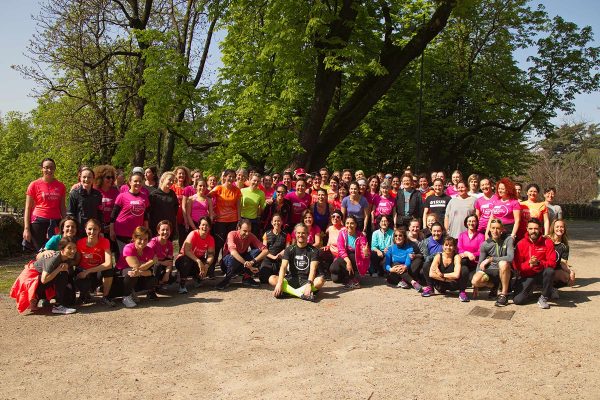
(293,231)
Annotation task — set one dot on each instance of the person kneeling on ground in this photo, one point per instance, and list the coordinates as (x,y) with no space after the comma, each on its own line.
(302,259)
(196,255)
(95,264)
(275,240)
(135,266)
(46,278)
(495,257)
(447,272)
(398,263)
(238,258)
(535,260)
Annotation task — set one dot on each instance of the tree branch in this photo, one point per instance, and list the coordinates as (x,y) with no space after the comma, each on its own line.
(109,55)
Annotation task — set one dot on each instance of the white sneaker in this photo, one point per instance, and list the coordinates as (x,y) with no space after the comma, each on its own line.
(128,302)
(63,310)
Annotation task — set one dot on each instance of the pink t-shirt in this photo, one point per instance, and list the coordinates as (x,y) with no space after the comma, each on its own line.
(162,251)
(504,210)
(484,205)
(472,245)
(268,192)
(298,206)
(47,198)
(108,201)
(199,246)
(384,206)
(132,212)
(130,251)
(451,191)
(189,191)
(199,207)
(372,198)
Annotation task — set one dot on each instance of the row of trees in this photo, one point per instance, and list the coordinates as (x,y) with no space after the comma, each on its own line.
(302,83)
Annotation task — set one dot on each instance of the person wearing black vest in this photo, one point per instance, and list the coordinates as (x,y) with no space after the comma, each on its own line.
(409,204)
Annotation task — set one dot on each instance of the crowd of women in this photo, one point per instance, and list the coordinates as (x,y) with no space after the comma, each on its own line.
(293,231)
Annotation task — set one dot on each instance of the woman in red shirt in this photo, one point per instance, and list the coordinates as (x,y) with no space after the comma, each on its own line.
(44,206)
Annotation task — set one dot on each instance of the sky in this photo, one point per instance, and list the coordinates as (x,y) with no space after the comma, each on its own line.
(17,28)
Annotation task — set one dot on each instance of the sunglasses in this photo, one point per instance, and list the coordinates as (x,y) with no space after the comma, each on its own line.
(109,177)
(335,216)
(396,236)
(278,192)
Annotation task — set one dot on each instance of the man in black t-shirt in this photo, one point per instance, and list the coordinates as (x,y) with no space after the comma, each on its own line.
(303,261)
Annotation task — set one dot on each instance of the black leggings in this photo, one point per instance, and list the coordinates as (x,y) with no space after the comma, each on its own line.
(339,273)
(132,283)
(187,267)
(59,282)
(91,281)
(268,267)
(524,286)
(460,284)
(39,231)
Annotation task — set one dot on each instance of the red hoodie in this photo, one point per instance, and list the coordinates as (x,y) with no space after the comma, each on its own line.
(542,249)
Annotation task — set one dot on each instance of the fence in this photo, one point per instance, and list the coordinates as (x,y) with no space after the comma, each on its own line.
(580,211)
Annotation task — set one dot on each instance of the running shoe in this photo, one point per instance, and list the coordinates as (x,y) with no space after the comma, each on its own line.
(501,301)
(251,282)
(403,285)
(310,297)
(417,286)
(356,283)
(554,295)
(543,302)
(129,302)
(493,292)
(223,284)
(182,290)
(108,302)
(63,310)
(462,296)
(427,291)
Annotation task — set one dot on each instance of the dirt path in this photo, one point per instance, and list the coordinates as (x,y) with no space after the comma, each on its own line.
(373,343)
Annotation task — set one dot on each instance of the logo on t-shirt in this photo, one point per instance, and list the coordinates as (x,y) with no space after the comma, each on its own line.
(302,262)
(500,211)
(92,259)
(137,207)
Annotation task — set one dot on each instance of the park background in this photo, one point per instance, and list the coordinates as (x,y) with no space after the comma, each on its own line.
(509,88)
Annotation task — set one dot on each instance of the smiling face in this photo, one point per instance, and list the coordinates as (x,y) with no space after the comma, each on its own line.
(431,219)
(414,228)
(456,177)
(276,222)
(164,231)
(462,190)
(472,223)
(308,220)
(399,237)
(407,182)
(533,230)
(395,183)
(140,242)
(532,194)
(254,182)
(559,228)
(351,226)
(48,168)
(437,232)
(180,176)
(87,179)
(204,227)
(496,229)
(354,190)
(486,187)
(438,188)
(384,223)
(244,230)
(149,175)
(423,183)
(92,230)
(69,229)
(448,247)
(549,196)
(69,251)
(135,183)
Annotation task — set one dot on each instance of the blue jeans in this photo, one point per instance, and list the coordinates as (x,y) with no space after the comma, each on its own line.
(234,267)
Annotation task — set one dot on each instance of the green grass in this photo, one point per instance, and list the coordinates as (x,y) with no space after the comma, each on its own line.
(8,274)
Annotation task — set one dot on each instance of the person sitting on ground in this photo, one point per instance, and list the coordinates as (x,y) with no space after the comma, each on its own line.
(381,241)
(163,248)
(95,264)
(433,244)
(238,258)
(302,260)
(446,272)
(494,268)
(563,273)
(535,260)
(276,241)
(353,255)
(135,266)
(46,278)
(196,255)
(398,263)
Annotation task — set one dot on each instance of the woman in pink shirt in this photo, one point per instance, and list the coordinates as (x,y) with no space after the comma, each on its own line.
(506,207)
(469,243)
(129,212)
(484,204)
(44,206)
